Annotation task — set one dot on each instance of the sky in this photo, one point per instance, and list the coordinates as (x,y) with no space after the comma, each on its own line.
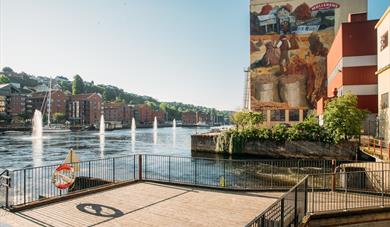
(191,51)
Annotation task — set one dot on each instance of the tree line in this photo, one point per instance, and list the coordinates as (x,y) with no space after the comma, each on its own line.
(109,93)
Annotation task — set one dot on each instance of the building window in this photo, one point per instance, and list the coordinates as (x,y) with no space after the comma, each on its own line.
(384,40)
(293,115)
(385,100)
(278,115)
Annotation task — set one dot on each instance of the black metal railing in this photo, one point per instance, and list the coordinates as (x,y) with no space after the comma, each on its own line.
(232,174)
(342,191)
(4,188)
(34,184)
(286,211)
(25,186)
(349,190)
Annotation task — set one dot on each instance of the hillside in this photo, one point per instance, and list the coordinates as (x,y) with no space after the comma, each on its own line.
(32,83)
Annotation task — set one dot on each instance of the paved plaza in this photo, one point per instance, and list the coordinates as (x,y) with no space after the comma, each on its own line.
(148,204)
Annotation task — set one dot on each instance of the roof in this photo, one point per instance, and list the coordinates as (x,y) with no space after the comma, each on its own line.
(5,89)
(44,93)
(387,12)
(85,95)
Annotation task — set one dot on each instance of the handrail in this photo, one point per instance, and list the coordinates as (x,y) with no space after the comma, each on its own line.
(278,201)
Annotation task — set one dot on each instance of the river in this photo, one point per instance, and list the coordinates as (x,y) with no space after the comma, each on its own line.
(19,150)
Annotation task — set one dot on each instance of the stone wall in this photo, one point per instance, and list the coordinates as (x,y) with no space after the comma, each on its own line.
(289,149)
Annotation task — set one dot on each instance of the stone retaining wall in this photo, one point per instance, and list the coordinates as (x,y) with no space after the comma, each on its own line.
(289,149)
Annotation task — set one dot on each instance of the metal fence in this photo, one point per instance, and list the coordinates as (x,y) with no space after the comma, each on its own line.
(355,185)
(232,174)
(342,191)
(286,211)
(34,184)
(349,190)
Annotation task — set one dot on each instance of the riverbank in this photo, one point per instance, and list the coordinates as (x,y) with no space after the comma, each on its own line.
(207,142)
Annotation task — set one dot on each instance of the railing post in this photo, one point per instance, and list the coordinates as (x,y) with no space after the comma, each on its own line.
(134,167)
(305,197)
(282,212)
(113,170)
(312,193)
(196,171)
(140,167)
(272,174)
(169,168)
(324,175)
(224,173)
(24,186)
(8,182)
(383,186)
(296,206)
(262,221)
(89,169)
(346,190)
(388,155)
(333,175)
(298,172)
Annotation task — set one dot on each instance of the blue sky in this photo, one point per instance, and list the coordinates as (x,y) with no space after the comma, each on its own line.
(193,51)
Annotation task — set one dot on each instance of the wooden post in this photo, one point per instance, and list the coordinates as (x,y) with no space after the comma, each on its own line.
(380,147)
(374,146)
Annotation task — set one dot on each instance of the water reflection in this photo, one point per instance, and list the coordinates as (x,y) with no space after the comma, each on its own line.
(102,143)
(37,151)
(133,141)
(154,137)
(174,138)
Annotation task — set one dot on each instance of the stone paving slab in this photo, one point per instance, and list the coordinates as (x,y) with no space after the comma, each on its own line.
(148,204)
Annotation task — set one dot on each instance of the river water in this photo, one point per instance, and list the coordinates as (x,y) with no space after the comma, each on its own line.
(19,150)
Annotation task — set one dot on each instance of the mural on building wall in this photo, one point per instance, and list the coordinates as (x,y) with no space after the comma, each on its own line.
(289,43)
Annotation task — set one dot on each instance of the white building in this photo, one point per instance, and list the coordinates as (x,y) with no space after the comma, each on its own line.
(383,72)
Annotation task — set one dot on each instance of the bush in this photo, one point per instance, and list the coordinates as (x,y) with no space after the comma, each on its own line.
(342,117)
(234,140)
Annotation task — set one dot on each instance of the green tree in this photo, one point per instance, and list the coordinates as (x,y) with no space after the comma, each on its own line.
(77,85)
(8,70)
(342,118)
(247,119)
(4,79)
(59,117)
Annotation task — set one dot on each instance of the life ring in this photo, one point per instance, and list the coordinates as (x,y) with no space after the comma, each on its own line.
(63,176)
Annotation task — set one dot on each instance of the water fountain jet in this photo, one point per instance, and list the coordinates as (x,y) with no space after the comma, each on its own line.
(102,127)
(133,125)
(37,125)
(174,124)
(155,124)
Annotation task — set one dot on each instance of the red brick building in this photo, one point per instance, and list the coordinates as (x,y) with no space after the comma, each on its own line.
(145,114)
(202,117)
(12,102)
(59,101)
(352,62)
(160,116)
(118,112)
(85,109)
(189,118)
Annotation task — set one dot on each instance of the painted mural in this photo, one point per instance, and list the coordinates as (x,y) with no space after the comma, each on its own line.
(289,43)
